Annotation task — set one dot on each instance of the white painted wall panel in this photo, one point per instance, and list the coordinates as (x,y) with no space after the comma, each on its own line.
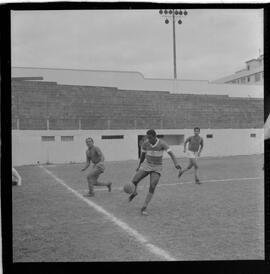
(27,147)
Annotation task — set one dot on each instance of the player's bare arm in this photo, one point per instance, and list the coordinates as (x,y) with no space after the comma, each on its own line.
(142,157)
(185,144)
(100,156)
(201,147)
(174,159)
(87,164)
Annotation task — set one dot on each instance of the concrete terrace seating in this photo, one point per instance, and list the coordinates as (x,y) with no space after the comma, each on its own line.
(37,104)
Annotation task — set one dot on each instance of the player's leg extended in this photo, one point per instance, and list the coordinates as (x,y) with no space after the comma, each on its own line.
(140,174)
(196,171)
(190,165)
(99,169)
(154,179)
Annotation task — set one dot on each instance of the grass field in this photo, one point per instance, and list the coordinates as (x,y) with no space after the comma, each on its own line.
(222,219)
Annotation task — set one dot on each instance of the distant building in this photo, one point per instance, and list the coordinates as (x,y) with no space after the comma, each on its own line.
(253,74)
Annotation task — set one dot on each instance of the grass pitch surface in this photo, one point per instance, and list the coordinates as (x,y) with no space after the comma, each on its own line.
(222,219)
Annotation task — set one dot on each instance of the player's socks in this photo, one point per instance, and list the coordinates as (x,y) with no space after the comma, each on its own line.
(110,186)
(143,211)
(132,196)
(147,199)
(180,173)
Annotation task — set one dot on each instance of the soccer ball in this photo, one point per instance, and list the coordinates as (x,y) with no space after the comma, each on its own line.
(129,188)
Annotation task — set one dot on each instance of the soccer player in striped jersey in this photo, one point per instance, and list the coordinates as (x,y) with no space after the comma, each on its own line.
(195,146)
(151,164)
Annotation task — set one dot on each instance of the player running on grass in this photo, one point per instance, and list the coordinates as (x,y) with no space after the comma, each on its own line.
(152,151)
(94,154)
(195,146)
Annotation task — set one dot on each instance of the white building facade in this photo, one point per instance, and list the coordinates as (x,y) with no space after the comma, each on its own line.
(252,74)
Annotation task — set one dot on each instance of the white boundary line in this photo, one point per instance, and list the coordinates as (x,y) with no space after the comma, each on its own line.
(234,179)
(183,183)
(132,232)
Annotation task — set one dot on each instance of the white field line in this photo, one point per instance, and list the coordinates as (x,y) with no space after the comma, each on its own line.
(183,183)
(124,226)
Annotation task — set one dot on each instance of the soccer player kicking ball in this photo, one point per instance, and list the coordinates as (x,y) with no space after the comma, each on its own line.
(195,146)
(95,155)
(152,151)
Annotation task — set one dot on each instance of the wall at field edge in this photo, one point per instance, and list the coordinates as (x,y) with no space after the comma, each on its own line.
(28,147)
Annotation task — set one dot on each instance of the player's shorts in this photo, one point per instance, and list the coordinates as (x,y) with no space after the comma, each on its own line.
(192,154)
(145,166)
(99,168)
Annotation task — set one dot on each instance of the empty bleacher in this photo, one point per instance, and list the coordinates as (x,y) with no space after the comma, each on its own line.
(40,105)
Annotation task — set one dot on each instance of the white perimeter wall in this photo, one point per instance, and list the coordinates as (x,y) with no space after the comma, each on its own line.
(136,81)
(27,147)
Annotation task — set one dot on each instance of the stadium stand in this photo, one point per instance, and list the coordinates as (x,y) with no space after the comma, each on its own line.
(38,105)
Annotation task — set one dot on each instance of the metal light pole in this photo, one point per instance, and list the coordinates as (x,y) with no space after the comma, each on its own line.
(174,47)
(173,14)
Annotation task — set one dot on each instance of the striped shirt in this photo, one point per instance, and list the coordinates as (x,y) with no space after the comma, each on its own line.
(154,153)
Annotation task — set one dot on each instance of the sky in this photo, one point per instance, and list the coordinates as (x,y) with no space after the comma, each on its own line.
(210,43)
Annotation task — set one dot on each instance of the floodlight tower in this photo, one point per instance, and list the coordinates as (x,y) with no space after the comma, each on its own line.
(173,14)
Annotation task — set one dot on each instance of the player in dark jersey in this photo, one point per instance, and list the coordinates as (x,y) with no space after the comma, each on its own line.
(94,154)
(195,146)
(151,164)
